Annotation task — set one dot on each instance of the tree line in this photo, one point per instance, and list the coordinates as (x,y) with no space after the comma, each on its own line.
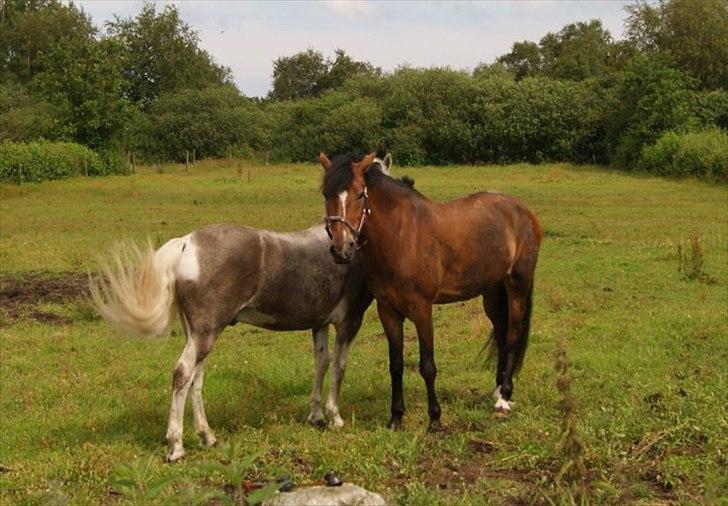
(656,100)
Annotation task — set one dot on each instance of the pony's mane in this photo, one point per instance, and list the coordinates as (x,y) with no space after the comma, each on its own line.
(340,175)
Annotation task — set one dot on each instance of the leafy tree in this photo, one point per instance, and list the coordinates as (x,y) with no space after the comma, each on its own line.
(307,74)
(161,55)
(693,33)
(343,67)
(30,27)
(24,117)
(298,76)
(577,51)
(83,81)
(524,59)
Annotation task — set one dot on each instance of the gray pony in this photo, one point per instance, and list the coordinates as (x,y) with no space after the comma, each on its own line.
(223,274)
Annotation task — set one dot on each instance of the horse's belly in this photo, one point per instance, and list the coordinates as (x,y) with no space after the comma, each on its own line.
(257,318)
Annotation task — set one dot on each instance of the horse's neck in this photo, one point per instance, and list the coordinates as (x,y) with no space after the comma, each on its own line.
(388,217)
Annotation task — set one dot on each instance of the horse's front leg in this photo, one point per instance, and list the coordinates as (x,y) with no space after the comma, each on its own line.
(422,318)
(345,333)
(392,321)
(321,355)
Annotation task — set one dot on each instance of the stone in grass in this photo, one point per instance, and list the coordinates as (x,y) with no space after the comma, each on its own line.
(344,495)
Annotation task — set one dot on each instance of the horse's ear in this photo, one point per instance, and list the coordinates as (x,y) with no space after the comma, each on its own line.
(365,163)
(387,161)
(324,160)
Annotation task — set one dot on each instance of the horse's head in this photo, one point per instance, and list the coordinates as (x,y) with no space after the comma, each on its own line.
(347,205)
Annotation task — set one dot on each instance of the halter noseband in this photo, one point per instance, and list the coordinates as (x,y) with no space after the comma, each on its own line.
(355,231)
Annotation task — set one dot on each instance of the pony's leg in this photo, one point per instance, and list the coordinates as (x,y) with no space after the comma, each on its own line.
(198,409)
(182,377)
(422,318)
(197,348)
(392,321)
(495,304)
(321,354)
(344,335)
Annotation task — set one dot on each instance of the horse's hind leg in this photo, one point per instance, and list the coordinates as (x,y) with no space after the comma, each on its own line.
(321,354)
(345,333)
(198,409)
(184,375)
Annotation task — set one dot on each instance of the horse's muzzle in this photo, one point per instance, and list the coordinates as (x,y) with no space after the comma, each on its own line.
(338,257)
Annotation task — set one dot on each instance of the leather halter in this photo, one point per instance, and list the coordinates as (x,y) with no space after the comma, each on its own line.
(355,231)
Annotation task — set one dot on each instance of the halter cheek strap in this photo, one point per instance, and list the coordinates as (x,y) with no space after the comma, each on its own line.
(355,231)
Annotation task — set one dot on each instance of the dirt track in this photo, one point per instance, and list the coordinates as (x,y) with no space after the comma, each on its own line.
(20,295)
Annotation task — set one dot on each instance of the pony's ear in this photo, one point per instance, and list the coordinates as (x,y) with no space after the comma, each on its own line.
(363,166)
(387,161)
(324,161)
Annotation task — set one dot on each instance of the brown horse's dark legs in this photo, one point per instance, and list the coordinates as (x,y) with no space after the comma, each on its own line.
(425,334)
(392,322)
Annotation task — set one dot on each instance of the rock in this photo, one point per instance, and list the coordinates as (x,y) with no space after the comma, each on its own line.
(345,495)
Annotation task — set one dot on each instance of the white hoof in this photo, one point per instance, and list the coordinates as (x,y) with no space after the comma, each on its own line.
(502,407)
(337,421)
(176,453)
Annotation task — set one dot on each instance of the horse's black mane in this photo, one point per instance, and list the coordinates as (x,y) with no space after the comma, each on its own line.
(339,176)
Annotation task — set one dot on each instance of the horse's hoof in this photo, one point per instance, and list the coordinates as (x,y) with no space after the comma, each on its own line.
(208,439)
(175,454)
(435,426)
(337,422)
(502,412)
(502,408)
(317,420)
(395,424)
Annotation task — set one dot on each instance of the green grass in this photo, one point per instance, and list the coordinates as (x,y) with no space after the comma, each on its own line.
(648,348)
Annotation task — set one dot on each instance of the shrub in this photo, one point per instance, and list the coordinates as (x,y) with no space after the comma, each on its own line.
(701,154)
(38,161)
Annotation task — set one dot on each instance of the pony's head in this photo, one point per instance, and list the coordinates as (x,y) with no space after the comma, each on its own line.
(344,189)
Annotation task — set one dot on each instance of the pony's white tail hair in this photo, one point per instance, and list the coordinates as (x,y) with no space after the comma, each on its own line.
(134,288)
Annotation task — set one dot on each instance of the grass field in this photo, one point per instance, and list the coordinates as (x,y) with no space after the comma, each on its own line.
(648,348)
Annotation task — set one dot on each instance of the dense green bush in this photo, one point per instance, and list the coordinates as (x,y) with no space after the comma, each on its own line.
(651,98)
(38,161)
(701,154)
(205,121)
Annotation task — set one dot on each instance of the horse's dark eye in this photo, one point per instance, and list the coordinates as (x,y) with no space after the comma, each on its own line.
(361,195)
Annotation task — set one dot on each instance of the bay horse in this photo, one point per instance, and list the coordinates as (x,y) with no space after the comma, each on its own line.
(417,252)
(223,274)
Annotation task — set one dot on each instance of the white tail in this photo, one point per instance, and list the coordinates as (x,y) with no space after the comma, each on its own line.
(134,290)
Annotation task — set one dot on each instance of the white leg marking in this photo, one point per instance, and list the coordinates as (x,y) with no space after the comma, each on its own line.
(321,355)
(341,353)
(198,409)
(182,380)
(496,393)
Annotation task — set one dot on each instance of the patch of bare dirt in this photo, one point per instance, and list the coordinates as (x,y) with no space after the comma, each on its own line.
(20,295)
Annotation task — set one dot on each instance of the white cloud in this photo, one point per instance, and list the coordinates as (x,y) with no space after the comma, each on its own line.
(348,8)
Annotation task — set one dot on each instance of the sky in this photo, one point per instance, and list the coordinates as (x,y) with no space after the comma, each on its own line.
(249,36)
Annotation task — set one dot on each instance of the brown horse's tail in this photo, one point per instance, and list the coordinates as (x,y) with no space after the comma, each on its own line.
(525,331)
(496,343)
